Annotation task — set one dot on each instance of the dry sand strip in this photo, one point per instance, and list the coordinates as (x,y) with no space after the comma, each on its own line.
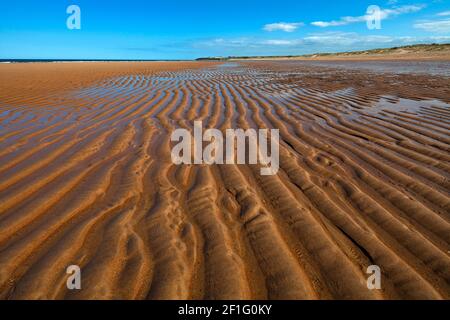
(86,178)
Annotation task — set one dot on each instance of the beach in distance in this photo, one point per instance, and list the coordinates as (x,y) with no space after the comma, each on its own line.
(88,179)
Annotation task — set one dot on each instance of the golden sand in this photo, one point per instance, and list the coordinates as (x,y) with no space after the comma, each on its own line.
(86,179)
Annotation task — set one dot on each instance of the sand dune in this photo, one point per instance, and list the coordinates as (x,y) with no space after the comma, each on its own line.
(86,178)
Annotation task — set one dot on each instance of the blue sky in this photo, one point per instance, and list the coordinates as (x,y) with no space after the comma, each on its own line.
(164,29)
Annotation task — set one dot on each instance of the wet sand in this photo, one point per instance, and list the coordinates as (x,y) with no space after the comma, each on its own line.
(86,178)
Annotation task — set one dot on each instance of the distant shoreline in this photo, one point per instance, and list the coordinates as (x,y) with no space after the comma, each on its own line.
(419,52)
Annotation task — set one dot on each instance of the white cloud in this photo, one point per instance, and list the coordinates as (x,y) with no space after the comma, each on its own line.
(225,43)
(440,26)
(341,22)
(274,42)
(283,26)
(283,42)
(384,14)
(443,14)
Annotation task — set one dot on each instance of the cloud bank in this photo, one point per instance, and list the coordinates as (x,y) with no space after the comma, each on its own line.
(440,26)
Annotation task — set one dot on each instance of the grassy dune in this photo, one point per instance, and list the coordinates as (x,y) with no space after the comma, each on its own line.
(419,51)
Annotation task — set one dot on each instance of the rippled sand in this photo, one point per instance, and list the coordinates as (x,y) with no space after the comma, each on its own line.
(86,179)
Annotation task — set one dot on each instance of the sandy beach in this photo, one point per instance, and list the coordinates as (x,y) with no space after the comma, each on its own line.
(86,179)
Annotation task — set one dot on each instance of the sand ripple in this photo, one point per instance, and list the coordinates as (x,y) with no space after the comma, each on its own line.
(86,178)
